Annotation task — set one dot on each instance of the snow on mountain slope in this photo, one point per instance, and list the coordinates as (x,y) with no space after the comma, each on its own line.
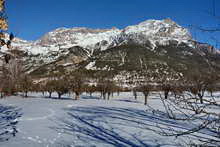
(159,31)
(154,31)
(83,37)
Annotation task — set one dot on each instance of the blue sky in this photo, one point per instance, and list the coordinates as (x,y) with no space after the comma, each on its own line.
(31,19)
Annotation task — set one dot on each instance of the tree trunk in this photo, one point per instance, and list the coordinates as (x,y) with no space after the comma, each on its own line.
(145,97)
(166,94)
(104,95)
(77,95)
(211,94)
(50,93)
(200,98)
(101,94)
(145,100)
(109,93)
(59,95)
(26,94)
(135,95)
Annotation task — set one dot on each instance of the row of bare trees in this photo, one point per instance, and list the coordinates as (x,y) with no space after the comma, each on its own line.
(62,83)
(80,81)
(195,83)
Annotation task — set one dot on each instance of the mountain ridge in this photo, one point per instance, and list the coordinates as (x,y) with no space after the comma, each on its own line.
(155,31)
(152,43)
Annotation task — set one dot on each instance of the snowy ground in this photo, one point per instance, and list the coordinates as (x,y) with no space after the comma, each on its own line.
(121,122)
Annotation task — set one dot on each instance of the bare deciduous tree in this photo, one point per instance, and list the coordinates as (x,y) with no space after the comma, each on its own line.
(183,108)
(145,89)
(25,84)
(77,82)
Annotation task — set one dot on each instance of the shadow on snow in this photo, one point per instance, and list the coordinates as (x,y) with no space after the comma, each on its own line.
(8,120)
(120,127)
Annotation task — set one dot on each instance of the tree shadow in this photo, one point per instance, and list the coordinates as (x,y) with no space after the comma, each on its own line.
(8,121)
(90,97)
(120,127)
(62,98)
(129,101)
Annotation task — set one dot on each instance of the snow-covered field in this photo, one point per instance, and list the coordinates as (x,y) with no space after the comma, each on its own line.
(122,121)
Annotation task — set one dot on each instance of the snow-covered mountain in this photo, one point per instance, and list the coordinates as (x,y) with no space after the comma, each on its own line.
(155,32)
(152,43)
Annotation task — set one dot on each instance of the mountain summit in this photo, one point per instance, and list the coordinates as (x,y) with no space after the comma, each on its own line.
(155,32)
